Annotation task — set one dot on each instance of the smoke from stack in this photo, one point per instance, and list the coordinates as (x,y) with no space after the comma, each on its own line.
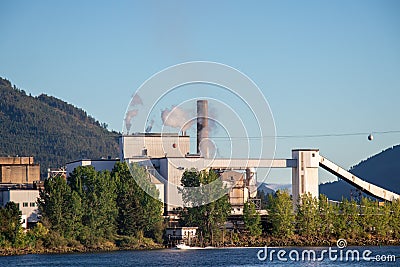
(180,118)
(177,118)
(133,111)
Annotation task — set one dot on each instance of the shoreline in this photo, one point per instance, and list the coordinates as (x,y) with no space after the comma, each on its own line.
(69,250)
(4,252)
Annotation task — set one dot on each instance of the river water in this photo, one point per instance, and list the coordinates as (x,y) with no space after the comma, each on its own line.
(373,256)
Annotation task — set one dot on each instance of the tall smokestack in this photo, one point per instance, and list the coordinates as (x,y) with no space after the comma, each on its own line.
(202,127)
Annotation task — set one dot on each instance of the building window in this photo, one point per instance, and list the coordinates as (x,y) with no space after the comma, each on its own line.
(25,204)
(32,204)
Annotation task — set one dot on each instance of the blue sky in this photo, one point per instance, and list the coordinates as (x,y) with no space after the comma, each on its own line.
(325,67)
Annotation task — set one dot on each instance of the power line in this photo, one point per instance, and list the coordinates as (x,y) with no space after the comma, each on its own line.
(336,135)
(303,136)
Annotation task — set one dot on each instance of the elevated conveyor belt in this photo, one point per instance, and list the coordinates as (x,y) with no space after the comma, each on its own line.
(364,186)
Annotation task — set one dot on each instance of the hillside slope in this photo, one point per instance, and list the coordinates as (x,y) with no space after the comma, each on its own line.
(381,169)
(51,130)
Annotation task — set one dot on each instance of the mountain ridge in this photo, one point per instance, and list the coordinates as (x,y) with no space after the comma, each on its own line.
(50,129)
(380,169)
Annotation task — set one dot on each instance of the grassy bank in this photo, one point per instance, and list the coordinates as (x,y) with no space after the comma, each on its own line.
(129,243)
(119,244)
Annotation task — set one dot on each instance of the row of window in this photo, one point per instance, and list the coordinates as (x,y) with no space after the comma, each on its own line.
(26,204)
(185,233)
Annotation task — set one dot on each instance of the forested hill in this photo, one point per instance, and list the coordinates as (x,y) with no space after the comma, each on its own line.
(51,130)
(381,169)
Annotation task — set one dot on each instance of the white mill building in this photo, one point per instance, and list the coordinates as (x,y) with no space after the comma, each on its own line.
(167,156)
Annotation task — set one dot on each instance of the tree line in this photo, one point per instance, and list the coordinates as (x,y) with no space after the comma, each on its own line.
(12,235)
(313,221)
(104,210)
(92,209)
(317,220)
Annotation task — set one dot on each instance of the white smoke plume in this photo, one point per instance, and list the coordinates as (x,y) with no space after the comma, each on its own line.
(132,111)
(212,121)
(177,118)
(136,100)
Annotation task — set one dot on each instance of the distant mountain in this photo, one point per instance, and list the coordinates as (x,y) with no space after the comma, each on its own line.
(272,188)
(381,169)
(51,130)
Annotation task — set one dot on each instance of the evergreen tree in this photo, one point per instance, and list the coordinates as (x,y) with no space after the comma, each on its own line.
(252,219)
(308,217)
(328,214)
(281,215)
(97,191)
(10,224)
(92,205)
(60,208)
(348,222)
(395,218)
(368,216)
(73,215)
(138,212)
(382,226)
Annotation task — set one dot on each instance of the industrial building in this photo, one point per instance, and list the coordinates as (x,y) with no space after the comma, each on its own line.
(239,192)
(18,179)
(154,145)
(18,170)
(174,235)
(98,164)
(26,200)
(167,156)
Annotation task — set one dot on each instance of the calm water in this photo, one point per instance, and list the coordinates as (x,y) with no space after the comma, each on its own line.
(212,257)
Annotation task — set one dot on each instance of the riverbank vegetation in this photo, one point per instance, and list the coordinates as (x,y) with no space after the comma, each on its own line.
(314,222)
(92,211)
(109,211)
(318,222)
